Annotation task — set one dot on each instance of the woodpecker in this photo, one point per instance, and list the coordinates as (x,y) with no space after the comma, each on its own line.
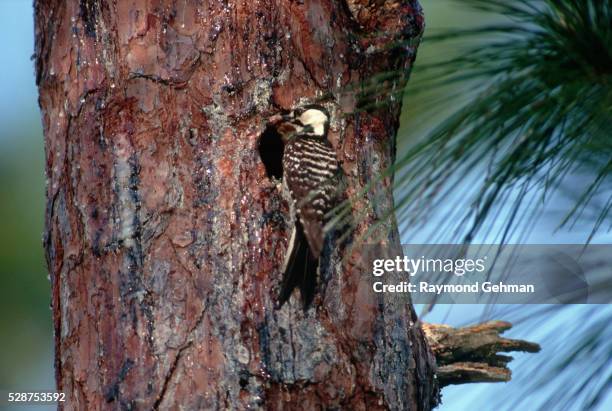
(311,177)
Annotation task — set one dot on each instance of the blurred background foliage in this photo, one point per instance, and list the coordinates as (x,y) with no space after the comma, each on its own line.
(25,324)
(573,371)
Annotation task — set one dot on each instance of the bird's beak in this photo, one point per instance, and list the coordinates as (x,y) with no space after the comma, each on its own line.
(280,118)
(275,119)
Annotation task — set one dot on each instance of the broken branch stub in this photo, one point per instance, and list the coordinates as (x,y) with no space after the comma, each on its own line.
(470,354)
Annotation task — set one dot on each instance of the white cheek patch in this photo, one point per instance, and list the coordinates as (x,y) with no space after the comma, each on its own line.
(313,116)
(319,129)
(315,119)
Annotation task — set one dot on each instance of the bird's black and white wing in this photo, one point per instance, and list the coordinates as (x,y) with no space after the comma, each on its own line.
(311,176)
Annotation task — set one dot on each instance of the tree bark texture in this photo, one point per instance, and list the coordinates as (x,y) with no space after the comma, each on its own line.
(164,236)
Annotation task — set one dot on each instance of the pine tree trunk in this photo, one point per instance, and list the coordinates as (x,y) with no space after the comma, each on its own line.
(165,237)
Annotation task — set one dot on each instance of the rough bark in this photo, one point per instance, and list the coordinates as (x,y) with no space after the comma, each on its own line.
(164,237)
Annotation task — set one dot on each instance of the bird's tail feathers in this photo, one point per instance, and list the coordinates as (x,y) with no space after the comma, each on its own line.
(300,271)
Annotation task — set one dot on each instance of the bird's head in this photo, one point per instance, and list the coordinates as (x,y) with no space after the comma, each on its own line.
(312,120)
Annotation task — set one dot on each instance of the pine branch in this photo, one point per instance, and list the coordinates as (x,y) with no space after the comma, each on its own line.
(538,105)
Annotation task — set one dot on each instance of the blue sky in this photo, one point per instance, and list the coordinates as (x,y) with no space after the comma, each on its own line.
(18,91)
